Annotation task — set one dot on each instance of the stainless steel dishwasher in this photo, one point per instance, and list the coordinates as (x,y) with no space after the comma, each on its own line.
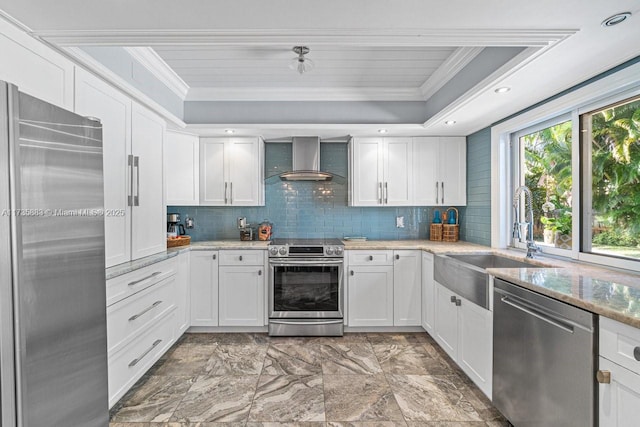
(543,359)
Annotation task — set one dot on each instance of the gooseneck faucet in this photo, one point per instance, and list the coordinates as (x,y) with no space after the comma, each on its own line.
(531,244)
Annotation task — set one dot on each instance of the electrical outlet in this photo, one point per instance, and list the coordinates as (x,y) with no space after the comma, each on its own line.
(399,222)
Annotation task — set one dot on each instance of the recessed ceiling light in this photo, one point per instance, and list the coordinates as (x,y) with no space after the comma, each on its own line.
(450,122)
(382,131)
(229,131)
(503,89)
(615,19)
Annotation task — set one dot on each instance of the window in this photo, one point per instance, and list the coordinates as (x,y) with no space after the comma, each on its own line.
(611,190)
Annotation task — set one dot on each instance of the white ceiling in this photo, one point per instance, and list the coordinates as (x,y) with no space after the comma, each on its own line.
(363,49)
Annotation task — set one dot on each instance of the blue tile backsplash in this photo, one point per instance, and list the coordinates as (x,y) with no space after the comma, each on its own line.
(308,209)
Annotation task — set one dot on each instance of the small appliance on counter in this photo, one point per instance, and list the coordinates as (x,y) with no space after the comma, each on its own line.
(176,235)
(246,232)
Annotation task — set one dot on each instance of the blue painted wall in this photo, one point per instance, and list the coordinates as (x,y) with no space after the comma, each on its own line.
(475,223)
(308,209)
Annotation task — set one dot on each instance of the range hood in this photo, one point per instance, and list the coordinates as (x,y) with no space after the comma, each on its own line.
(306,161)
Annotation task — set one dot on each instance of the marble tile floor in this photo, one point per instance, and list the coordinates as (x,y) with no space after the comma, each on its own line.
(253,380)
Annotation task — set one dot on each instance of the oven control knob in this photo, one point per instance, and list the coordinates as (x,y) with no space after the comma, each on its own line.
(339,250)
(273,250)
(283,250)
(329,250)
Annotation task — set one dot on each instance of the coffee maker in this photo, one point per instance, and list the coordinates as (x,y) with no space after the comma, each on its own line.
(174,228)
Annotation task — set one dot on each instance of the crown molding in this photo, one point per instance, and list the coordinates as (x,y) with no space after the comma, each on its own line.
(333,37)
(92,65)
(449,68)
(303,94)
(150,59)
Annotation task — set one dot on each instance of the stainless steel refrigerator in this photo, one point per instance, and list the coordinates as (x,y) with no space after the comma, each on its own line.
(53,344)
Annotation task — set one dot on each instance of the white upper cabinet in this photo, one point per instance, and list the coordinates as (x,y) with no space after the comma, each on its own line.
(231,171)
(96,98)
(381,172)
(35,68)
(182,179)
(440,165)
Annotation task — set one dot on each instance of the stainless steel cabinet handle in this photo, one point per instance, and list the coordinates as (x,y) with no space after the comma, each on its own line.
(151,307)
(603,377)
(458,302)
(136,164)
(259,272)
(352,273)
(240,257)
(437,192)
(214,256)
(231,193)
(154,274)
(135,361)
(226,185)
(636,353)
(397,256)
(453,299)
(370,257)
(442,185)
(380,193)
(130,164)
(386,193)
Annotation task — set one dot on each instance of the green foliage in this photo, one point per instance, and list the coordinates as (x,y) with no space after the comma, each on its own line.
(616,237)
(561,222)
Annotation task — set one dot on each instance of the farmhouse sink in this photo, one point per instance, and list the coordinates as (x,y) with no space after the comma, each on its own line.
(466,275)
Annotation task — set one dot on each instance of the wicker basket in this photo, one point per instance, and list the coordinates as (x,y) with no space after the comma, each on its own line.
(451,232)
(435,232)
(178,241)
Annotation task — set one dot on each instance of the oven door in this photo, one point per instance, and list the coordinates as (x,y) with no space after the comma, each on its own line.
(306,288)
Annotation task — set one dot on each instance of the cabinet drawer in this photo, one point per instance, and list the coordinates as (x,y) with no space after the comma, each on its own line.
(131,315)
(251,257)
(128,284)
(132,361)
(370,257)
(620,343)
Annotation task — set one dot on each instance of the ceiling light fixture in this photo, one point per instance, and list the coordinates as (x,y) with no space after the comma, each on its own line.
(450,122)
(615,19)
(503,89)
(382,131)
(300,63)
(229,131)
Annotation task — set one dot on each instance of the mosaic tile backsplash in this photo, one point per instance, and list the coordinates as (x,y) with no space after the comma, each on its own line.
(308,209)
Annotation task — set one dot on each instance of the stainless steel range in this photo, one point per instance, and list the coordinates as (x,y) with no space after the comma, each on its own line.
(306,294)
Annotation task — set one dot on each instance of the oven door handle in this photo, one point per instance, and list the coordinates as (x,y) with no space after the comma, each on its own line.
(307,262)
(309,322)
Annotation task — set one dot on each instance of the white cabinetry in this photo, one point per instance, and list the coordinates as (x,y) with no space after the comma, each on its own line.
(465,331)
(242,288)
(183,292)
(204,288)
(231,171)
(382,172)
(383,288)
(132,162)
(428,293)
(619,398)
(440,171)
(34,67)
(407,287)
(182,177)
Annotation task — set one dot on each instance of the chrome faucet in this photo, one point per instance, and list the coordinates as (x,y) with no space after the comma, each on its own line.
(531,244)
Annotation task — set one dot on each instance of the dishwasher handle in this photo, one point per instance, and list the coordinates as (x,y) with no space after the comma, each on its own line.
(531,310)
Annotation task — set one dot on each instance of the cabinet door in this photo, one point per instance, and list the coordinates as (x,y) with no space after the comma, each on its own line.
(620,400)
(246,177)
(425,171)
(148,218)
(367,172)
(370,291)
(96,98)
(398,172)
(475,344)
(213,180)
(446,321)
(428,293)
(407,288)
(241,301)
(182,177)
(183,293)
(204,288)
(453,170)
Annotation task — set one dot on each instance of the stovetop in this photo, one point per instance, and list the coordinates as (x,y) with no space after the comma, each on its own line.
(318,248)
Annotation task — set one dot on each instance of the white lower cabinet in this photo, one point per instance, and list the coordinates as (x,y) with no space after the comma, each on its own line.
(204,288)
(370,295)
(465,332)
(407,292)
(619,398)
(183,293)
(241,296)
(428,293)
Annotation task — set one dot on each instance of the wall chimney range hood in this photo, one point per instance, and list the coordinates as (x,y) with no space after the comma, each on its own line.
(306,161)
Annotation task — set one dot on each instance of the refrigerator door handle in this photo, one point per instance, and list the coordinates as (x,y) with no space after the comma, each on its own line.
(130,164)
(136,164)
